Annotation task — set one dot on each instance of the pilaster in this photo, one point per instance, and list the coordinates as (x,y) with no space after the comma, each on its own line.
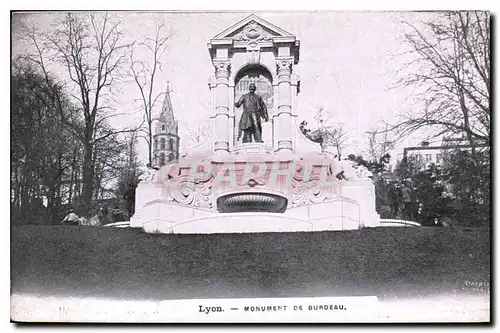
(221,106)
(283,119)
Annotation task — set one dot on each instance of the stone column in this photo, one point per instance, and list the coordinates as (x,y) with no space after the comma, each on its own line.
(230,128)
(283,118)
(221,106)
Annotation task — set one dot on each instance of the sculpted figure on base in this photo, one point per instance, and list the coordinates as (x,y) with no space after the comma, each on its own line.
(254,108)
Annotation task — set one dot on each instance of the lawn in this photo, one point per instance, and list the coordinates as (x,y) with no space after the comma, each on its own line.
(127,263)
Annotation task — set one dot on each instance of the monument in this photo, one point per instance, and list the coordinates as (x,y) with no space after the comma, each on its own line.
(253,175)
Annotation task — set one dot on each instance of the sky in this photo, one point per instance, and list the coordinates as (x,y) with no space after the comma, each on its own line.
(347,66)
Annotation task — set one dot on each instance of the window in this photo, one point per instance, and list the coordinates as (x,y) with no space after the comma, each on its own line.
(418,157)
(163,127)
(171,144)
(438,158)
(428,158)
(156,144)
(162,143)
(162,159)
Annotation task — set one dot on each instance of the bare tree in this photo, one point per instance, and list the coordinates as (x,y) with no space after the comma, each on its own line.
(329,136)
(91,53)
(197,135)
(379,144)
(450,68)
(144,73)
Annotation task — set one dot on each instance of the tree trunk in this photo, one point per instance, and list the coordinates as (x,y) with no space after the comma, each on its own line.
(73,178)
(25,186)
(88,177)
(78,183)
(150,143)
(51,196)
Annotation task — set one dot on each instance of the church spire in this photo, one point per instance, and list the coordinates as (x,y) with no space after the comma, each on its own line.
(166,139)
(167,112)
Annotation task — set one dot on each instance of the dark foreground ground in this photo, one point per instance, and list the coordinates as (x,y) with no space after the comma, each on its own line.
(127,263)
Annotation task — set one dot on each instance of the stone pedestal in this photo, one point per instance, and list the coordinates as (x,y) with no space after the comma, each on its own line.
(195,195)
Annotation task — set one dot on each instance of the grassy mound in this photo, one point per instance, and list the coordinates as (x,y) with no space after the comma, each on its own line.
(127,263)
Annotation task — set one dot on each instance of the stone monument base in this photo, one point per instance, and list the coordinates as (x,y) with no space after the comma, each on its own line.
(167,217)
(255,191)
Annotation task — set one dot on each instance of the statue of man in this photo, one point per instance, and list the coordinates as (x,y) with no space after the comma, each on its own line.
(254,108)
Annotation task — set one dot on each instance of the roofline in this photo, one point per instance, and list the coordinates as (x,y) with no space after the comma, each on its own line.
(247,20)
(447,147)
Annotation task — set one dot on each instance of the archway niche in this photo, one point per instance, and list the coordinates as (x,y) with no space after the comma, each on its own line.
(263,81)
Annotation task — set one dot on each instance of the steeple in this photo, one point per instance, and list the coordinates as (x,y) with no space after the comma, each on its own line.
(166,139)
(167,112)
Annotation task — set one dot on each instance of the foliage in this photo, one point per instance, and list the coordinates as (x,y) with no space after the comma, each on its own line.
(469,175)
(45,155)
(458,191)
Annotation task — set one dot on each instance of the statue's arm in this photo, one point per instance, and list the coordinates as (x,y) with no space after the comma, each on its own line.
(240,101)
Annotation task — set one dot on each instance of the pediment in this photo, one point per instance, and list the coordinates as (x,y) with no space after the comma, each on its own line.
(252,28)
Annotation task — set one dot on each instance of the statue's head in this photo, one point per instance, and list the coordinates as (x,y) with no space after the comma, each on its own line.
(252,87)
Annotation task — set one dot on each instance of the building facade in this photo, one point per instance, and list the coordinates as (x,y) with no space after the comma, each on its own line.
(425,154)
